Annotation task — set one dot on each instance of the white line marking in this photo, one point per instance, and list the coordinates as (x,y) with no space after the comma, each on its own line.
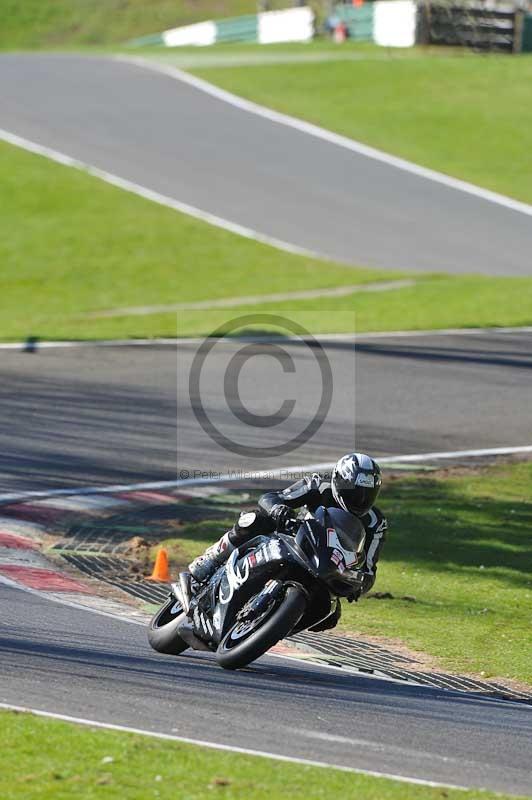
(329,136)
(86,504)
(225,747)
(155,197)
(274,474)
(44,345)
(205,59)
(482,452)
(378,746)
(251,300)
(321,337)
(413,334)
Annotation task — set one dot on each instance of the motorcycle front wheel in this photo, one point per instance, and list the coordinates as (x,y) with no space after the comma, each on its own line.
(162,630)
(248,640)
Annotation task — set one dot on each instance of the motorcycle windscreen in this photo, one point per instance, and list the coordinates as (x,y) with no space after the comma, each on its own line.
(345,533)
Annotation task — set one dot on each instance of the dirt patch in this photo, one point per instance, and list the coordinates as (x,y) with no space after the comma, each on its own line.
(420,662)
(474,467)
(424,663)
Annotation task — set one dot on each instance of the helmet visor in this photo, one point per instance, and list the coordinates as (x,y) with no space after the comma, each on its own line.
(359,499)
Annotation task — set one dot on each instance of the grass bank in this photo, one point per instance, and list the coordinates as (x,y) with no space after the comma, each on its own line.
(66,23)
(71,245)
(434,108)
(41,761)
(460,547)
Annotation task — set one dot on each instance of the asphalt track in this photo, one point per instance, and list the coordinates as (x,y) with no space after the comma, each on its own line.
(59,659)
(107,415)
(172,138)
(99,416)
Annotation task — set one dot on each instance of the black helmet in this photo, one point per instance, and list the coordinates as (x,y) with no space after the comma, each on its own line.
(355,483)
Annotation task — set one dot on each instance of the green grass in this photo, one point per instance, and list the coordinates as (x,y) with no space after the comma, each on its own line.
(71,245)
(50,760)
(434,302)
(461,547)
(436,110)
(243,54)
(67,23)
(192,540)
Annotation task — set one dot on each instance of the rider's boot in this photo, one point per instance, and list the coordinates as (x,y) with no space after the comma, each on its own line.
(248,525)
(203,567)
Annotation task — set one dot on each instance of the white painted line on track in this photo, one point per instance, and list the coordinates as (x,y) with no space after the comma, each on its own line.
(274,474)
(320,337)
(225,747)
(252,300)
(51,345)
(378,747)
(414,334)
(328,136)
(155,197)
(84,504)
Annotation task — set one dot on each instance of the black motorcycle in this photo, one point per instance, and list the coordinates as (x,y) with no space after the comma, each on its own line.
(270,588)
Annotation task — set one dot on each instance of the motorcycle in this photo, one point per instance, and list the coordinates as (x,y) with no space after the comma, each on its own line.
(270,588)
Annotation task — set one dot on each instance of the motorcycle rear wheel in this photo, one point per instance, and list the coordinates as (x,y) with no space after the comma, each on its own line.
(162,630)
(239,647)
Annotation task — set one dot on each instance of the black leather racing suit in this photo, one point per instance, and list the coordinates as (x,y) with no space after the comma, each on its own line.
(312,492)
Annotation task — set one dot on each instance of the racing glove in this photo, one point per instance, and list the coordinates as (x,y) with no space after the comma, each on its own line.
(283,516)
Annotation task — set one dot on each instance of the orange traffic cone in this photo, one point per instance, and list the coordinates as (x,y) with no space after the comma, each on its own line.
(160,569)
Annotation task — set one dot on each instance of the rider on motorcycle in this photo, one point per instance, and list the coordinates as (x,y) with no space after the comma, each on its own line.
(354,485)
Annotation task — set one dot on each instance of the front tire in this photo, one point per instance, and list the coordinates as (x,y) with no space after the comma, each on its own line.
(239,649)
(162,630)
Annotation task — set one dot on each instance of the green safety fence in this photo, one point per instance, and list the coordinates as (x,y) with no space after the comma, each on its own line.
(147,41)
(526,45)
(238,29)
(358,20)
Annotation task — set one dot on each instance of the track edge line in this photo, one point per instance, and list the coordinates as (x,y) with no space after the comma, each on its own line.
(226,747)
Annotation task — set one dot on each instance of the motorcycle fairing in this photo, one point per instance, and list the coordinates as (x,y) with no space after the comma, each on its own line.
(242,576)
(307,556)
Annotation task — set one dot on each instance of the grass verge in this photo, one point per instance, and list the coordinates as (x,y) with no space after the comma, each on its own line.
(435,109)
(71,245)
(41,759)
(55,23)
(460,547)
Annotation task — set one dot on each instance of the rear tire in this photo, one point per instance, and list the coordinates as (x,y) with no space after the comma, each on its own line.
(162,631)
(239,651)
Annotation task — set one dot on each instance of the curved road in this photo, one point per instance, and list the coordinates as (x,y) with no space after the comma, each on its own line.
(107,415)
(86,415)
(59,659)
(175,139)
